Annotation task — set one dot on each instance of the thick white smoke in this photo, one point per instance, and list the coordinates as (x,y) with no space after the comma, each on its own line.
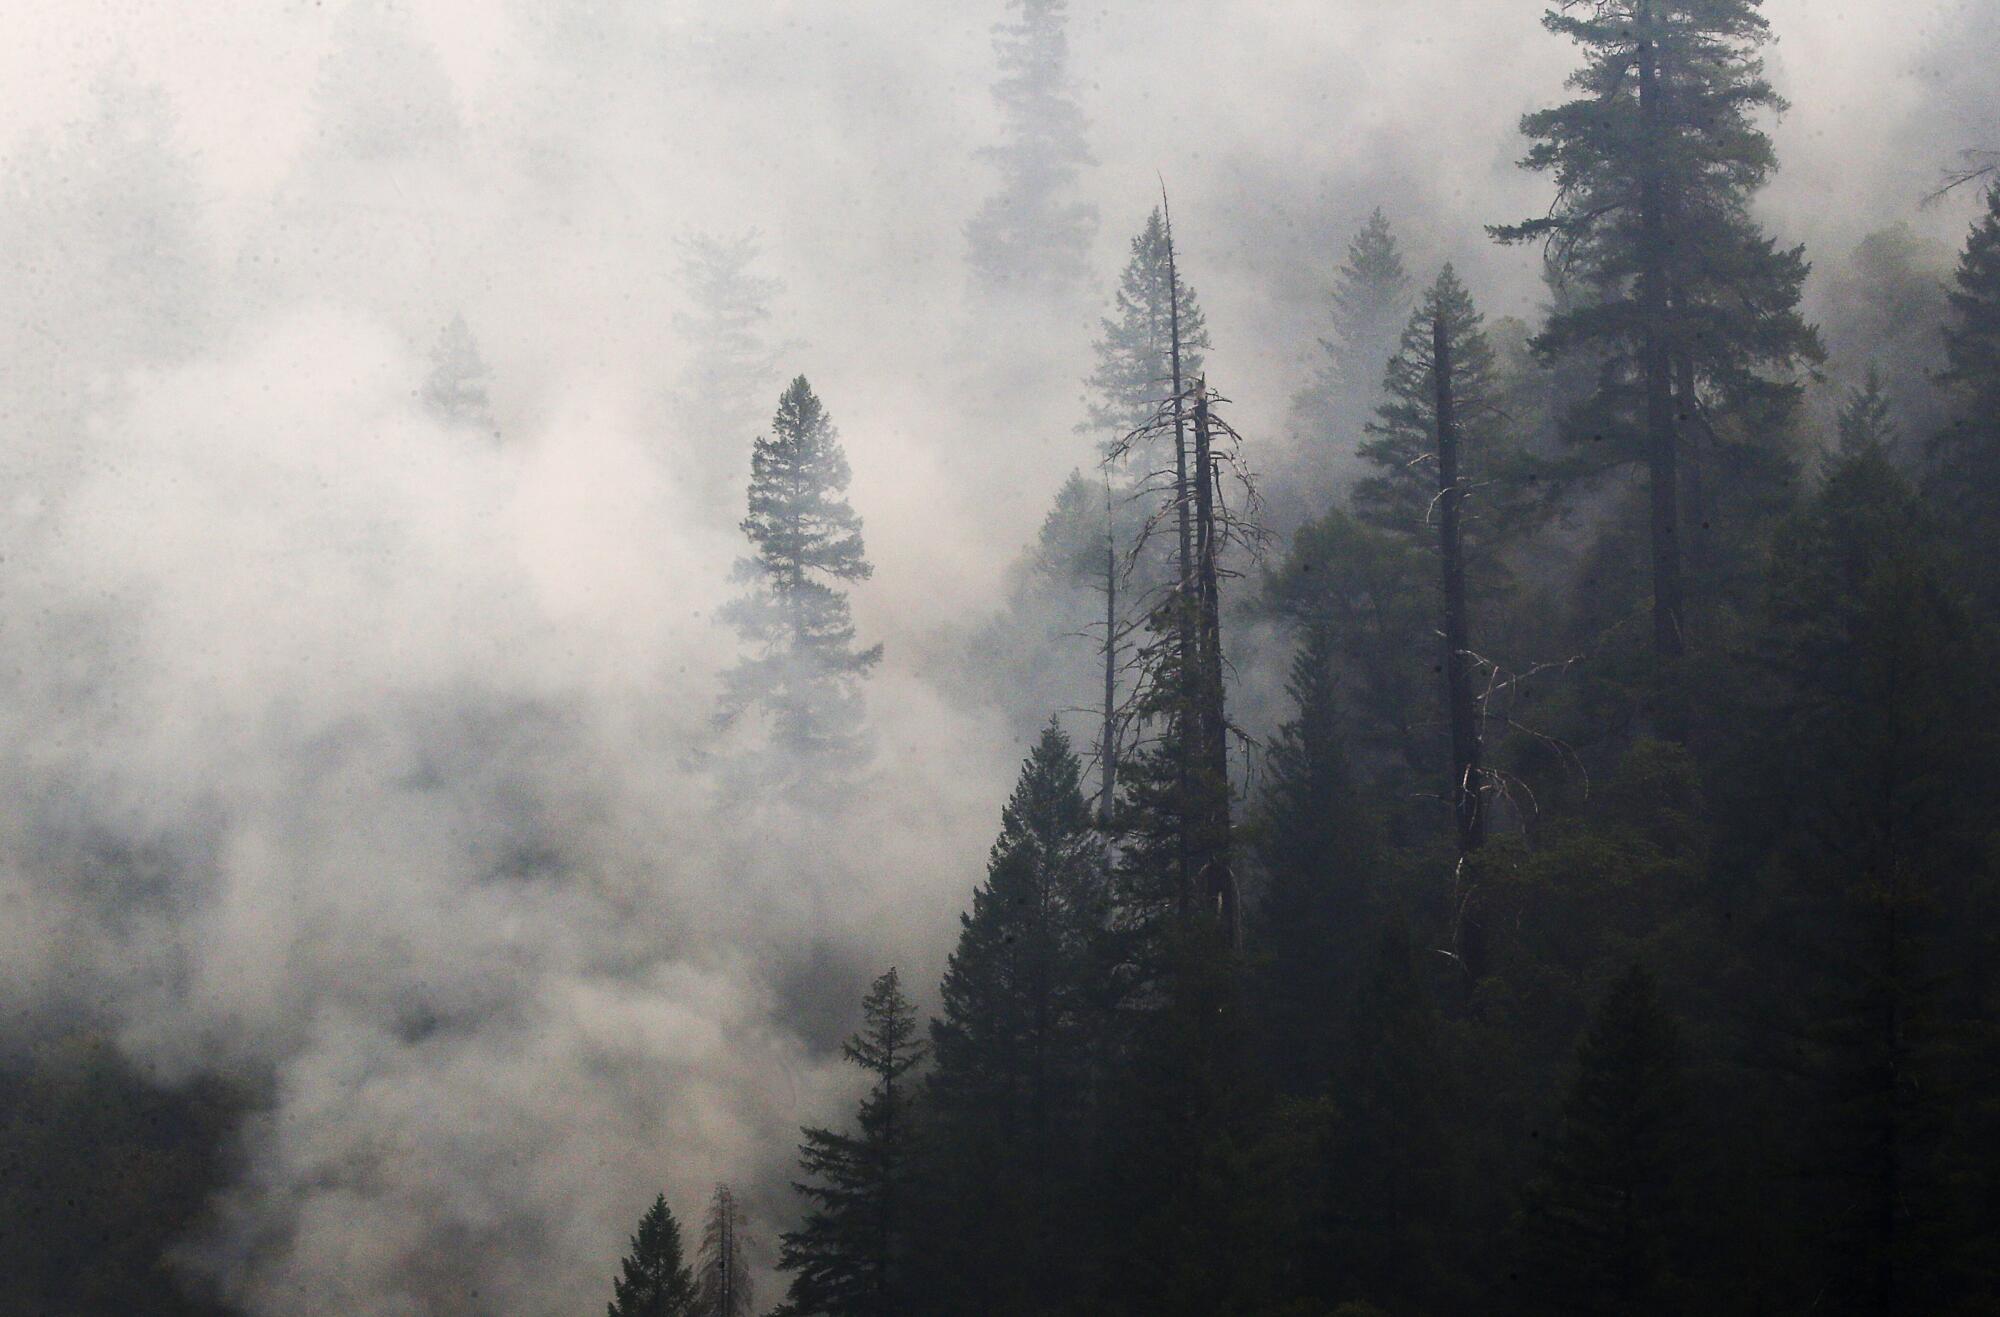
(371,761)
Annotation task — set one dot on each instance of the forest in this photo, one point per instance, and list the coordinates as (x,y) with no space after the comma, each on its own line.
(1493,799)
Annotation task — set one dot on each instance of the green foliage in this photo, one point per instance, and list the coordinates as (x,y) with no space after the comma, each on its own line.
(1606,1223)
(1315,848)
(1967,453)
(1018,1050)
(850,1257)
(1872,670)
(654,1280)
(1369,594)
(807,539)
(1867,420)
(1653,219)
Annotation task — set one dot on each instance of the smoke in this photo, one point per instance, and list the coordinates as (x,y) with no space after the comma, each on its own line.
(370,761)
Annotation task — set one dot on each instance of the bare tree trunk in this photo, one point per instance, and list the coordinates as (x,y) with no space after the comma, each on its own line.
(1107,748)
(1182,602)
(1211,718)
(1462,705)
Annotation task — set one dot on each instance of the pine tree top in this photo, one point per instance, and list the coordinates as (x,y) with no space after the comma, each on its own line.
(1134,350)
(887,1043)
(654,1280)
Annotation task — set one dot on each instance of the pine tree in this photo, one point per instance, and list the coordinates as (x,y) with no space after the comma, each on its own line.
(722,1267)
(1369,591)
(455,391)
(1693,313)
(1016,1049)
(1388,1151)
(1967,453)
(1877,675)
(1606,1223)
(1400,493)
(1370,304)
(807,538)
(1032,234)
(732,360)
(850,1257)
(1443,481)
(1312,926)
(1867,420)
(653,1280)
(1135,370)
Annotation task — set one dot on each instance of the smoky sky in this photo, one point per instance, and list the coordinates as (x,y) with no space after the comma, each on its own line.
(373,761)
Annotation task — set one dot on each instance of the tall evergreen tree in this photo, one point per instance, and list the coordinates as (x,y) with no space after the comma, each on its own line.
(455,391)
(850,1257)
(1135,369)
(1967,453)
(1694,312)
(807,539)
(1400,492)
(1017,1049)
(1033,233)
(1879,938)
(1606,1224)
(1312,925)
(1442,481)
(722,1266)
(653,1280)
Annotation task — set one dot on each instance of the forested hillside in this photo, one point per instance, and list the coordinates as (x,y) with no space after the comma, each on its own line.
(530,581)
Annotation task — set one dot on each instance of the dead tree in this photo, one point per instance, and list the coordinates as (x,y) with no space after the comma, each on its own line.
(722,1289)
(1462,704)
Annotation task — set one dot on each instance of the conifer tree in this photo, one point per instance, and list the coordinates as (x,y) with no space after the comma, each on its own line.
(1400,492)
(1016,1049)
(1370,304)
(1441,480)
(1033,233)
(1967,453)
(1867,419)
(1878,676)
(1388,1150)
(1135,369)
(850,1257)
(1606,1223)
(1694,312)
(455,391)
(1313,922)
(653,1280)
(807,540)
(722,1266)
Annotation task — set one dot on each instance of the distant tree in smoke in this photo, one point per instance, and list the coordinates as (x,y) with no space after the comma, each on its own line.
(807,540)
(455,391)
(1370,300)
(653,1280)
(1868,419)
(1032,233)
(722,1267)
(732,363)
